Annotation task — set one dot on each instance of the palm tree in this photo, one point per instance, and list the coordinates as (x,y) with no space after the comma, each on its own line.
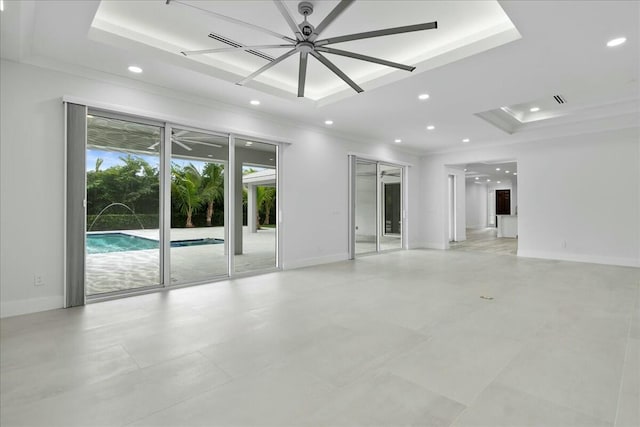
(268,199)
(185,188)
(212,187)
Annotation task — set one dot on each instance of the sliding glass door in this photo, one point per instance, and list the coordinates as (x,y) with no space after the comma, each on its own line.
(377,206)
(256,183)
(390,184)
(366,226)
(169,205)
(122,205)
(199,246)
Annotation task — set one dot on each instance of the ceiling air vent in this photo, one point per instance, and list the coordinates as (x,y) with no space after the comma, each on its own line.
(236,44)
(559,99)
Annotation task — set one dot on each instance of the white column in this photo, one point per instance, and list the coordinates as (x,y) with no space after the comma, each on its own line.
(252,209)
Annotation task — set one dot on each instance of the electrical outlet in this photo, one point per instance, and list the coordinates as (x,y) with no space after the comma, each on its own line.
(38,280)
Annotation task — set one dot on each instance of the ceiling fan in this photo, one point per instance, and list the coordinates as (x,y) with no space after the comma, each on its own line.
(306,41)
(182,138)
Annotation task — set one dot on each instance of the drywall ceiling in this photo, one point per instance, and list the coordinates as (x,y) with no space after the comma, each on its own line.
(562,50)
(186,25)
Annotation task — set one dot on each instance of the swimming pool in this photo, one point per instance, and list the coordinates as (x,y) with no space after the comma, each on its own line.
(102,243)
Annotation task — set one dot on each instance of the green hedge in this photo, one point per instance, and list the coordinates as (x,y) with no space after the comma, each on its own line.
(122,222)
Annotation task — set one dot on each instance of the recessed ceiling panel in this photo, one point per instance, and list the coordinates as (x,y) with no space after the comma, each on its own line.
(464,28)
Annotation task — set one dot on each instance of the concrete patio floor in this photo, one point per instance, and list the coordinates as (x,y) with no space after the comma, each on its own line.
(116,271)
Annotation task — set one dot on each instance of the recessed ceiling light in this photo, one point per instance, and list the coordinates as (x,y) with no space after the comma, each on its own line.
(534,109)
(466,140)
(488,180)
(423,96)
(616,42)
(271,159)
(254,102)
(431,127)
(465,170)
(328,122)
(135,69)
(1,5)
(397,140)
(506,171)
(515,173)
(498,182)
(497,169)
(477,178)
(209,155)
(89,116)
(249,143)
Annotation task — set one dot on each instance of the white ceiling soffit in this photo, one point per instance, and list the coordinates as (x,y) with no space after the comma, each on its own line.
(597,103)
(465,28)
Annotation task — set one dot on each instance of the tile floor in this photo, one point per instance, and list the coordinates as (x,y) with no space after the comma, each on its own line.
(397,339)
(486,240)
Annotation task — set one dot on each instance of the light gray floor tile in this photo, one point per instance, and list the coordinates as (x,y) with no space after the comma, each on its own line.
(628,413)
(385,399)
(572,368)
(29,384)
(503,406)
(402,338)
(122,399)
(275,397)
(458,366)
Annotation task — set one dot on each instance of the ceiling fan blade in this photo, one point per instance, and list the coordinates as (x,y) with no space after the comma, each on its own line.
(266,67)
(336,71)
(287,17)
(378,33)
(235,21)
(187,141)
(185,146)
(341,7)
(365,58)
(302,73)
(238,48)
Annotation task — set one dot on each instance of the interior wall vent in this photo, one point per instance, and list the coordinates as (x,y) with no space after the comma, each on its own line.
(236,44)
(559,99)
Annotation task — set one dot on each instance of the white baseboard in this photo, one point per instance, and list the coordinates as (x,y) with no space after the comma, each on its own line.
(308,262)
(594,259)
(30,305)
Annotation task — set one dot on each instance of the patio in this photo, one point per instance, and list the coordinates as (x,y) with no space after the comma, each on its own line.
(116,271)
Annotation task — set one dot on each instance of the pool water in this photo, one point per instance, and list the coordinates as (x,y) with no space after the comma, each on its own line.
(102,243)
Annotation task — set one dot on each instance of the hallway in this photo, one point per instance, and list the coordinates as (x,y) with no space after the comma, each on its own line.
(486,240)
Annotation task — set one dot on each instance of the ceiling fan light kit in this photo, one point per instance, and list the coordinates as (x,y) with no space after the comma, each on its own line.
(305,41)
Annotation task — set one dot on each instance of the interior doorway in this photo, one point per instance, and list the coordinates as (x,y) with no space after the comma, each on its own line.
(490,207)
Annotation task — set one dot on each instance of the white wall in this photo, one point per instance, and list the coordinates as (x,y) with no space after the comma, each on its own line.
(582,190)
(314,174)
(476,204)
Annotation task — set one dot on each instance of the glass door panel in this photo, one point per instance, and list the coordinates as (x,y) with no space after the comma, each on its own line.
(122,205)
(390,226)
(256,183)
(366,207)
(199,248)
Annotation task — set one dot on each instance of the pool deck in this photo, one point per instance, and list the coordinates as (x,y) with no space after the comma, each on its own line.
(116,271)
